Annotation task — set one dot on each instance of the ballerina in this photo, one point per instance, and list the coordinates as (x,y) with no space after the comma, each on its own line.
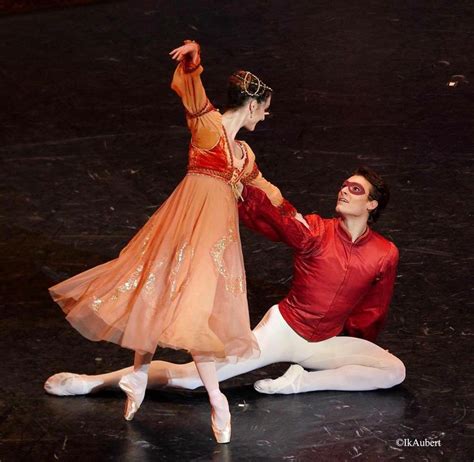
(180,281)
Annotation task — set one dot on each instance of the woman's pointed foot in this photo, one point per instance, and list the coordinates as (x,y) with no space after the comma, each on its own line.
(134,386)
(222,435)
(220,417)
(68,384)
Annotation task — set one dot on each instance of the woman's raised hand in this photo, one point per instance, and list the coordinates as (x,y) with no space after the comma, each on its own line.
(191,48)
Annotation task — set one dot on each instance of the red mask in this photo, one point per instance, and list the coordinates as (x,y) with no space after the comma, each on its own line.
(354,188)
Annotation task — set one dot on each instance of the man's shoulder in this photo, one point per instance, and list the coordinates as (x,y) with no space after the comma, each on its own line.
(382,240)
(384,244)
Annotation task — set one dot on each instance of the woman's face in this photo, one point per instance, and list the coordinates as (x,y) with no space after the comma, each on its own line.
(257,112)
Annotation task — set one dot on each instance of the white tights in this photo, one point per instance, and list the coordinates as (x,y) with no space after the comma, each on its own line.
(339,363)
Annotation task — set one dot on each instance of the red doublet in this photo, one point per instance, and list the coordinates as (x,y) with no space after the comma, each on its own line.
(338,285)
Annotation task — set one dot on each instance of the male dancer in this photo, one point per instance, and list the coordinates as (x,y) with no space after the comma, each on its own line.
(342,285)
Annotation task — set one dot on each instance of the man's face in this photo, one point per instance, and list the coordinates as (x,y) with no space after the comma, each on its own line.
(353,198)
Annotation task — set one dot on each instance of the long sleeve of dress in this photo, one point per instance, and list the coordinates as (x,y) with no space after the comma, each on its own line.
(369,316)
(203,120)
(257,180)
(257,213)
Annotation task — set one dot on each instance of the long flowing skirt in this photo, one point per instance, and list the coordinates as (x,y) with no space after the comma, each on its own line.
(179,283)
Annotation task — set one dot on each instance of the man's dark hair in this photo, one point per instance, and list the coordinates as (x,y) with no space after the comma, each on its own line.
(379,190)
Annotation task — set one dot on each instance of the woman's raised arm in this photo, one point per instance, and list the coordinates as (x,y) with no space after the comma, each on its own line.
(187,77)
(201,116)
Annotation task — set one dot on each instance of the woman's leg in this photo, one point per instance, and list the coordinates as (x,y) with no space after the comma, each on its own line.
(68,384)
(134,384)
(342,363)
(274,337)
(206,368)
(160,374)
(275,340)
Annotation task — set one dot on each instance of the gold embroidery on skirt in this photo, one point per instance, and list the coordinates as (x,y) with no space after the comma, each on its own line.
(151,279)
(132,281)
(180,256)
(150,283)
(150,289)
(130,284)
(235,284)
(95,305)
(144,244)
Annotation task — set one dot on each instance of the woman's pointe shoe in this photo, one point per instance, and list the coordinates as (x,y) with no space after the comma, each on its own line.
(221,436)
(134,386)
(67,384)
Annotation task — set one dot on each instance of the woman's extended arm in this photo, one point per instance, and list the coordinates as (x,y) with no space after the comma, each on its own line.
(257,213)
(257,180)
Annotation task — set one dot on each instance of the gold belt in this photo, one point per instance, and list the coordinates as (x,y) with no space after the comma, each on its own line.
(231,179)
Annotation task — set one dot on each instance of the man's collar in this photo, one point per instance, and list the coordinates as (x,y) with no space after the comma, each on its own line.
(346,235)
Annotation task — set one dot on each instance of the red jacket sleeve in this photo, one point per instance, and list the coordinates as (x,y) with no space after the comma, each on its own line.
(257,213)
(369,316)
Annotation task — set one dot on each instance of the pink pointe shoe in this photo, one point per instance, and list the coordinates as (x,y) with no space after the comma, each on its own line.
(134,386)
(222,435)
(67,384)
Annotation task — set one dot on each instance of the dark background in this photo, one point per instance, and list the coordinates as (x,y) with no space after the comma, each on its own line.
(92,140)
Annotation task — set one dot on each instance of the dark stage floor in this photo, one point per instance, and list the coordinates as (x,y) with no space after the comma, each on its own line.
(93,140)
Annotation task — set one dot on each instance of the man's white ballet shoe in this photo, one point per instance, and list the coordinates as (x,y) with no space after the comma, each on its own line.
(288,383)
(67,384)
(134,386)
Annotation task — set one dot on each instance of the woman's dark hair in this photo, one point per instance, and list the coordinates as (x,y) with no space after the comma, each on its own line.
(244,85)
(379,191)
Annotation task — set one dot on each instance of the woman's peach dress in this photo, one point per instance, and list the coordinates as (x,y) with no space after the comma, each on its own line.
(180,281)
